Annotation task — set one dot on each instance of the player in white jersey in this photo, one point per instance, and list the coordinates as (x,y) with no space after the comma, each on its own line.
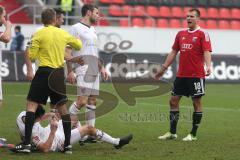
(4,37)
(51,137)
(87,76)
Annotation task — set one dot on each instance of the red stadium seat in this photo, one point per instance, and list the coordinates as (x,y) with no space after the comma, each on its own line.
(152,11)
(137,22)
(213,13)
(127,10)
(175,23)
(124,22)
(177,12)
(185,11)
(115,10)
(139,11)
(224,13)
(203,12)
(202,24)
(235,25)
(223,24)
(164,11)
(162,23)
(118,1)
(211,24)
(235,12)
(149,22)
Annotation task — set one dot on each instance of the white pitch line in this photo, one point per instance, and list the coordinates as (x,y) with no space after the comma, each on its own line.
(163,105)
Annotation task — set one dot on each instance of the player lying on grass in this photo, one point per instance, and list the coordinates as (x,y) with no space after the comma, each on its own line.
(51,137)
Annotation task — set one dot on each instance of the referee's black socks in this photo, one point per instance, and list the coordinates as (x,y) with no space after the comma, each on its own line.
(196,120)
(66,121)
(29,122)
(174,117)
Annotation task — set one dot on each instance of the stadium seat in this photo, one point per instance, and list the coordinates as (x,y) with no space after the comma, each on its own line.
(202,24)
(139,11)
(224,13)
(235,25)
(127,10)
(114,10)
(177,12)
(235,12)
(118,1)
(223,24)
(162,23)
(185,11)
(164,11)
(211,24)
(137,22)
(149,22)
(152,11)
(212,12)
(203,12)
(175,23)
(124,23)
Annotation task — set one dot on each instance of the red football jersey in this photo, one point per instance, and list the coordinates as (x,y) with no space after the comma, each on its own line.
(192,45)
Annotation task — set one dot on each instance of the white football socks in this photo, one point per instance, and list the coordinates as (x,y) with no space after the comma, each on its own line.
(73,109)
(90,115)
(107,138)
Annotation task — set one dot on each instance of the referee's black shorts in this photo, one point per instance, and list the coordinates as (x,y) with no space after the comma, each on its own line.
(48,82)
(194,87)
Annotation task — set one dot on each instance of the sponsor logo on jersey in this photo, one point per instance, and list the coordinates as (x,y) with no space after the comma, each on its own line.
(187,46)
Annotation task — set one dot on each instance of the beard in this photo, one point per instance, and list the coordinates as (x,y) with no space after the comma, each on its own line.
(93,21)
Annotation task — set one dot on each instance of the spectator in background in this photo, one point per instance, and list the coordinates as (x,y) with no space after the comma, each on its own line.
(17,42)
(5,37)
(67,7)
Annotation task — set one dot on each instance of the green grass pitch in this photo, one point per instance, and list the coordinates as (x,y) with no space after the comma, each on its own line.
(218,136)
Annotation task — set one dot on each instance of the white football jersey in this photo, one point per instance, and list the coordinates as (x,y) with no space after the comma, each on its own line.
(89,51)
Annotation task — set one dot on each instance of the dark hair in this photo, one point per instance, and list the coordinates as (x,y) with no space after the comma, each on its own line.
(87,7)
(59,11)
(48,15)
(18,28)
(1,9)
(198,13)
(39,112)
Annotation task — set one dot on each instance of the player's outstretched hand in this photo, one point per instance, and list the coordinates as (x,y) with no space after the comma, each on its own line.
(71,77)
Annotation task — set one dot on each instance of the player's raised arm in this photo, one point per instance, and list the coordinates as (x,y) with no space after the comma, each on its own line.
(46,146)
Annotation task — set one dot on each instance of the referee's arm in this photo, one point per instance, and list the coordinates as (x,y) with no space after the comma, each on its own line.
(74,42)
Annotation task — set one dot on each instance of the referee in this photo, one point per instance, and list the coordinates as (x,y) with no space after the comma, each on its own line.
(48,47)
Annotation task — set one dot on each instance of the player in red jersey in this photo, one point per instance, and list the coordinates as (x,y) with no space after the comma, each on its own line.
(195,50)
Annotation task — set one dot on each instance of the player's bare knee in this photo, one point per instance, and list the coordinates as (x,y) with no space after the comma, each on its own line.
(81,102)
(173,103)
(92,101)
